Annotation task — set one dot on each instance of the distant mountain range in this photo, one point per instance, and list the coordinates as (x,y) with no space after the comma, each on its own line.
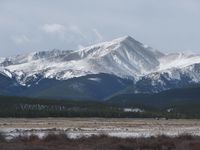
(98,72)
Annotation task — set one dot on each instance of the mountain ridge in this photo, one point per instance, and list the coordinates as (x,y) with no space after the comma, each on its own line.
(119,57)
(148,70)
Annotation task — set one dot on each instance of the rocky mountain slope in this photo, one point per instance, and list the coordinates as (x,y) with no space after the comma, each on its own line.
(127,63)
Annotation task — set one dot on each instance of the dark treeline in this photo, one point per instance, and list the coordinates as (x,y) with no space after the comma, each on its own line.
(27,107)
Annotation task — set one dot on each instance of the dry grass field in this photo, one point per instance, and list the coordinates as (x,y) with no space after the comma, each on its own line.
(99,134)
(76,127)
(101,142)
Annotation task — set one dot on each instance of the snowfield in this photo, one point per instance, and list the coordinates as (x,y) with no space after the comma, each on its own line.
(76,127)
(124,57)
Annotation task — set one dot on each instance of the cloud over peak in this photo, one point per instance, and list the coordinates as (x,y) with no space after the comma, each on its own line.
(54,28)
(20,39)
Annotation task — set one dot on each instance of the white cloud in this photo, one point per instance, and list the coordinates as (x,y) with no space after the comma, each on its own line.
(76,30)
(64,32)
(20,39)
(54,28)
(98,34)
(165,25)
(80,46)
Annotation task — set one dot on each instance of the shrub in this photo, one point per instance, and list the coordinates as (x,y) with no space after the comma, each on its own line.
(55,137)
(2,137)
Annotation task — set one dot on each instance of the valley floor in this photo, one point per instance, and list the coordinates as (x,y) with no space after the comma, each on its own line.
(85,127)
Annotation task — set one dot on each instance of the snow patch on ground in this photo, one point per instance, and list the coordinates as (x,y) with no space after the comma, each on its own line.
(133,110)
(115,132)
(95,79)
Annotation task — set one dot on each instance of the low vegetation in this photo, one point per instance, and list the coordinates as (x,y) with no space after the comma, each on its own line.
(101,142)
(2,139)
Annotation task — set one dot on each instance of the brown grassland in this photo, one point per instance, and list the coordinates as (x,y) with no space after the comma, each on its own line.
(101,142)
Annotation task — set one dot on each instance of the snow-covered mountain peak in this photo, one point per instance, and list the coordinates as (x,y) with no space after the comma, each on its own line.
(125,39)
(101,49)
(50,54)
(178,60)
(125,44)
(123,57)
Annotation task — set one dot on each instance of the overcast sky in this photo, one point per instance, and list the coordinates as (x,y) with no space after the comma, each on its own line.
(36,25)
